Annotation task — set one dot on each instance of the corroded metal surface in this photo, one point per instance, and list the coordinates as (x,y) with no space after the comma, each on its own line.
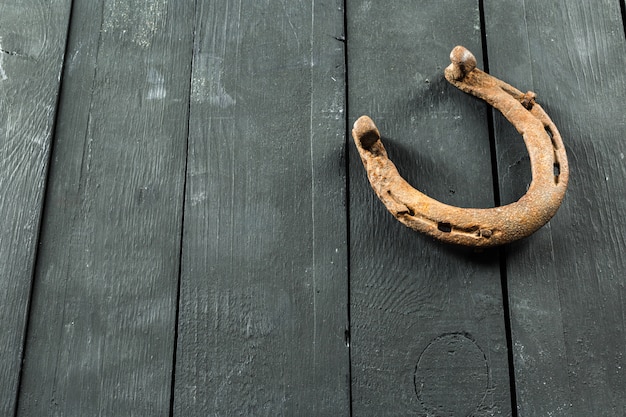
(469,226)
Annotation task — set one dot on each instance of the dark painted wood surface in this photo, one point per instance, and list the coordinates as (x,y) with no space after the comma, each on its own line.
(103,316)
(263,306)
(209,244)
(32,44)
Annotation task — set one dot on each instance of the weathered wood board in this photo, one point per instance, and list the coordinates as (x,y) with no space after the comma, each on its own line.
(566,283)
(32,45)
(427,322)
(103,316)
(263,307)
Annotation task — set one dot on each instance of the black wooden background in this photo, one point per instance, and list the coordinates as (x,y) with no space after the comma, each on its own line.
(186,228)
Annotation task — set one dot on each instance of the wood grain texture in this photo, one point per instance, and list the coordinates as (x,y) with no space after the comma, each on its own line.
(101,335)
(32,46)
(263,308)
(427,327)
(566,282)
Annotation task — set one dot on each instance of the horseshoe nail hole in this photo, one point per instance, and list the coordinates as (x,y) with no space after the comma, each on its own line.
(408,212)
(548,131)
(551,136)
(444,227)
(557,172)
(528,100)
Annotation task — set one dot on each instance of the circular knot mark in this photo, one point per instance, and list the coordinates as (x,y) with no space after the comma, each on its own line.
(452,375)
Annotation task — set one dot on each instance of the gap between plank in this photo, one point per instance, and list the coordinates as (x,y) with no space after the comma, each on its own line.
(497,200)
(347,201)
(42,211)
(182,222)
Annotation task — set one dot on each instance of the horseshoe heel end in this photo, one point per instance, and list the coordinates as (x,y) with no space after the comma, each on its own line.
(365,132)
(462,63)
(469,226)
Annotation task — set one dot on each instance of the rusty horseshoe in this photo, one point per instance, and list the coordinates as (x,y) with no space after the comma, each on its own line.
(478,227)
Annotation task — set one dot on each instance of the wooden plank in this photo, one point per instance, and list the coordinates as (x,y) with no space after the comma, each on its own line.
(263,308)
(427,327)
(566,282)
(101,335)
(32,46)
